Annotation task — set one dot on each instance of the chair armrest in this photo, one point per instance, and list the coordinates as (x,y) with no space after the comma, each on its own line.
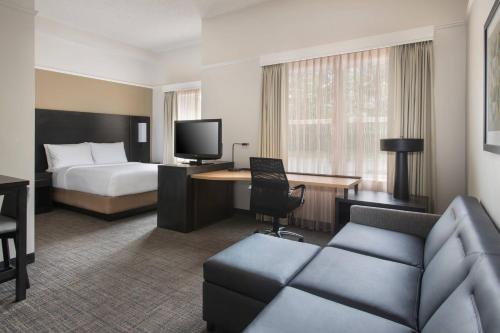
(413,223)
(302,189)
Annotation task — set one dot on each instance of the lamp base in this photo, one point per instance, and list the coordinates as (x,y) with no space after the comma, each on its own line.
(401,191)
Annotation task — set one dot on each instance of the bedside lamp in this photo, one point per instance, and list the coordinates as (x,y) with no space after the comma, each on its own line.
(402,147)
(244,144)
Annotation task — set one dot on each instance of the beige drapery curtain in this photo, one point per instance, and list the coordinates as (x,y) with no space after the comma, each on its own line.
(411,113)
(273,112)
(170,115)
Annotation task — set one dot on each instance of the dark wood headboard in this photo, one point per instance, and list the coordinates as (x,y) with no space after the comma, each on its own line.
(61,127)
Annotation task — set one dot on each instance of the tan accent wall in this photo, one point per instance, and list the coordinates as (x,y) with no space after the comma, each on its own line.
(57,91)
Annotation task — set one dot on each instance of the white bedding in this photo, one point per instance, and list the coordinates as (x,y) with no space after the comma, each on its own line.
(109,179)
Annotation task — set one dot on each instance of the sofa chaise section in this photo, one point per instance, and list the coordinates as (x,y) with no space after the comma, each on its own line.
(242,279)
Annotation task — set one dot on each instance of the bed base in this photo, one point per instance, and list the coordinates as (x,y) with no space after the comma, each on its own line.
(108,217)
(106,207)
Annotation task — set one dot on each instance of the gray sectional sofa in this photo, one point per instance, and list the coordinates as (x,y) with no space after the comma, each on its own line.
(385,271)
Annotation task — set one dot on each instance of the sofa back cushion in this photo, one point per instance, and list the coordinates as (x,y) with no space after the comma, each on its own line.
(474,236)
(445,226)
(475,305)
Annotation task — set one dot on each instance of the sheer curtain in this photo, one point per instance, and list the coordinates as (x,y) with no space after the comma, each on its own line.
(189,104)
(179,105)
(337,111)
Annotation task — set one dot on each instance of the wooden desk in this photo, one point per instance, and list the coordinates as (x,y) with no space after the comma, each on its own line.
(192,196)
(333,182)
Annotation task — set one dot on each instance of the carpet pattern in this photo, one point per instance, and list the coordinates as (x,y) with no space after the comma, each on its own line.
(125,276)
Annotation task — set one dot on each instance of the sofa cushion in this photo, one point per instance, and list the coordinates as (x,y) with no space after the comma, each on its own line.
(475,305)
(384,288)
(258,266)
(380,243)
(444,227)
(294,310)
(475,235)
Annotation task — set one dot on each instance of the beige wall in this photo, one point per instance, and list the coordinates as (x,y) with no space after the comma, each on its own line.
(233,43)
(449,103)
(290,24)
(483,167)
(179,65)
(17,97)
(59,91)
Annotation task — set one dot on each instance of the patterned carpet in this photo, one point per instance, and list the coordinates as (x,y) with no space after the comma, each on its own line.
(124,276)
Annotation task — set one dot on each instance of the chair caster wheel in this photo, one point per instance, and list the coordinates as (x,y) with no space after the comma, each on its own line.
(256,232)
(301,240)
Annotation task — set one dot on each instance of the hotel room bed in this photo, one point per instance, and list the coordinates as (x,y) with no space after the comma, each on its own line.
(93,160)
(108,189)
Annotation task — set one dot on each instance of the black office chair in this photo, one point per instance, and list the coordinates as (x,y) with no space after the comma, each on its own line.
(272,195)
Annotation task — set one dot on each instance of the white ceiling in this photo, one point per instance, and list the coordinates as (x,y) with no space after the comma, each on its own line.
(156,25)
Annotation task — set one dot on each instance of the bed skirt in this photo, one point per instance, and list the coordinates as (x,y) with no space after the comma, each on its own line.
(105,204)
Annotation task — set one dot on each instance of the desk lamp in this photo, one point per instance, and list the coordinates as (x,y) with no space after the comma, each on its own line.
(402,147)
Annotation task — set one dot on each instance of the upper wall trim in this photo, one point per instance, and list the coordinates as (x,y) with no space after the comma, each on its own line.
(47,27)
(92,77)
(181,86)
(229,63)
(449,25)
(349,46)
(12,4)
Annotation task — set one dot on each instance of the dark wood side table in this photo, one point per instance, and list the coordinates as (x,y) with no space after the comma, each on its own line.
(43,192)
(16,190)
(374,199)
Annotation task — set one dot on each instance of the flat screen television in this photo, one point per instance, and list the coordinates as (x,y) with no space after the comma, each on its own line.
(198,139)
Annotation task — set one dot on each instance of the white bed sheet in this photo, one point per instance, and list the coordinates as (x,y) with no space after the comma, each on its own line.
(108,179)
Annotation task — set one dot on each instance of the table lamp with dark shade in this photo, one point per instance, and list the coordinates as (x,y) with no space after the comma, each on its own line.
(402,147)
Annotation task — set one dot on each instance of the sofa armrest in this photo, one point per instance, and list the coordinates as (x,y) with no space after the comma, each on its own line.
(413,223)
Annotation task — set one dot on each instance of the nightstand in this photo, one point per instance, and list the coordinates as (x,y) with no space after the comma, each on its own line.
(374,199)
(43,192)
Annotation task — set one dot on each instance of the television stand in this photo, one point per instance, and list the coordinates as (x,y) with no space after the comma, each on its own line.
(182,201)
(198,162)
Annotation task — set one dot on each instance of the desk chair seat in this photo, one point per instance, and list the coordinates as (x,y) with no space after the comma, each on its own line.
(272,195)
(7,225)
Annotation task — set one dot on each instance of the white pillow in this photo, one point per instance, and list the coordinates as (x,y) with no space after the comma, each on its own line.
(68,155)
(108,153)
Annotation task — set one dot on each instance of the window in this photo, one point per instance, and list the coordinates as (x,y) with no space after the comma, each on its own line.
(189,104)
(337,110)
(179,105)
